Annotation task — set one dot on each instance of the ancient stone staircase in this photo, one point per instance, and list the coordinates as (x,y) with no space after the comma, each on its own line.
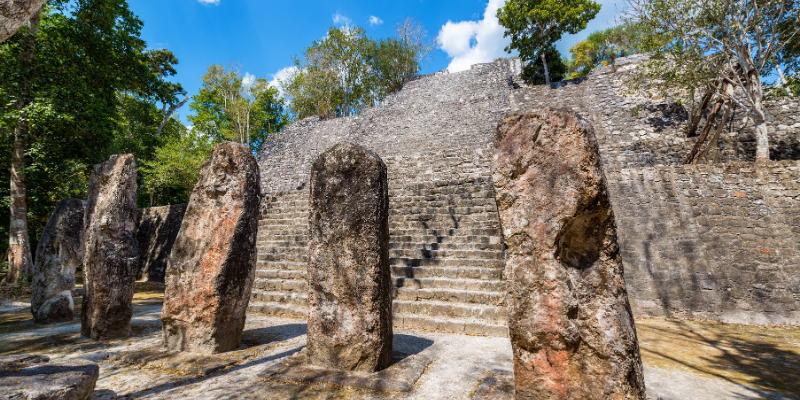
(446,256)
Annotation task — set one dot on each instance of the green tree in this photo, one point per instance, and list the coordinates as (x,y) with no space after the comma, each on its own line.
(229,107)
(346,72)
(716,47)
(535,25)
(171,174)
(557,68)
(334,77)
(87,56)
(601,48)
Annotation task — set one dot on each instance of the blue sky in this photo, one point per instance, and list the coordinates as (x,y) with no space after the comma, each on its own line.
(262,35)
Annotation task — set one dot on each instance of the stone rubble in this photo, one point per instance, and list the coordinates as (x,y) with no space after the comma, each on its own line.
(211,268)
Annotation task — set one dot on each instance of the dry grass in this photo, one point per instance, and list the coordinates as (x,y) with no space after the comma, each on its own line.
(766,357)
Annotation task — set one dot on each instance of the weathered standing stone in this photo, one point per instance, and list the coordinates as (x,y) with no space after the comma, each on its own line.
(211,269)
(156,230)
(350,303)
(111,253)
(570,323)
(59,253)
(34,378)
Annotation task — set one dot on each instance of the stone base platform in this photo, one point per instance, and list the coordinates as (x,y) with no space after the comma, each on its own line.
(399,377)
(34,377)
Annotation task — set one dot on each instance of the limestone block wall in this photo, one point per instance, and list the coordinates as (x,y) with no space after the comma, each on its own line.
(157,229)
(718,242)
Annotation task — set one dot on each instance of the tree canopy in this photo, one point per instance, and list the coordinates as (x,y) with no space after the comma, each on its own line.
(709,48)
(535,25)
(94,91)
(346,72)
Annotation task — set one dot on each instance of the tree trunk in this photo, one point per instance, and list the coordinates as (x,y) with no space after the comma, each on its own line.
(762,142)
(20,262)
(546,71)
(714,139)
(698,114)
(706,130)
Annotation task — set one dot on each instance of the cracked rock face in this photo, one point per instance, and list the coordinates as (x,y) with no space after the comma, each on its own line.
(350,299)
(15,13)
(34,377)
(212,266)
(570,322)
(58,255)
(111,252)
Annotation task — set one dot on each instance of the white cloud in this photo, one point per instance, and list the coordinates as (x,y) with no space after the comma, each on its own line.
(473,42)
(282,75)
(374,21)
(248,80)
(340,19)
(214,2)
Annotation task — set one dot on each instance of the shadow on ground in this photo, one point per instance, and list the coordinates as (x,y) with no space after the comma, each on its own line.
(763,362)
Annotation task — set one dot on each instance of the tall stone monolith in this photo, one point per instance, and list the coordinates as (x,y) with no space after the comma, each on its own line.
(212,266)
(58,254)
(350,300)
(569,319)
(111,252)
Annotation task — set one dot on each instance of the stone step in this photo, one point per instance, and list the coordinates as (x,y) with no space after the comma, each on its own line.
(281,274)
(445,217)
(282,257)
(439,201)
(418,322)
(400,321)
(280,222)
(445,246)
(281,285)
(475,285)
(281,265)
(438,262)
(444,209)
(298,299)
(418,232)
(278,310)
(466,312)
(451,296)
(479,273)
(277,242)
(441,193)
(286,214)
(274,232)
(443,225)
(446,254)
(398,240)
(287,250)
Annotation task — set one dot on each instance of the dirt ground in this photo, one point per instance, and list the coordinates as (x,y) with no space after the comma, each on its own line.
(683,359)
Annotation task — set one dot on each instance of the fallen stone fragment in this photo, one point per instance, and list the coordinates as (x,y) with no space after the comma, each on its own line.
(35,378)
(211,269)
(569,319)
(58,255)
(111,252)
(350,303)
(156,230)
